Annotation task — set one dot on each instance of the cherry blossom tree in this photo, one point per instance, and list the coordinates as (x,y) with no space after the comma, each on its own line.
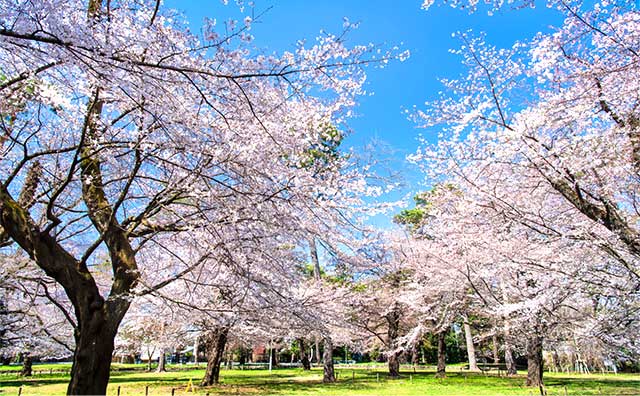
(35,316)
(541,140)
(143,131)
(150,329)
(440,289)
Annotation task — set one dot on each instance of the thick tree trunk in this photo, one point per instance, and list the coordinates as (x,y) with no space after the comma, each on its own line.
(393,323)
(27,365)
(242,358)
(534,361)
(161,361)
(304,359)
(214,340)
(92,358)
(442,355)
(273,356)
(471,350)
(327,357)
(494,348)
(97,320)
(394,365)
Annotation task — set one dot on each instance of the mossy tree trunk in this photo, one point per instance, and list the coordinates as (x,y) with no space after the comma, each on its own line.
(96,319)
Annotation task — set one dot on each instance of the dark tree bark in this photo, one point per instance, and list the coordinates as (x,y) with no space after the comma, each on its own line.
(27,196)
(394,365)
(317,349)
(214,342)
(92,357)
(242,359)
(534,361)
(393,325)
(556,360)
(327,357)
(97,320)
(304,359)
(273,356)
(442,355)
(599,209)
(27,365)
(161,361)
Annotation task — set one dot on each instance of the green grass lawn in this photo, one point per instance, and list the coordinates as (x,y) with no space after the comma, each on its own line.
(350,383)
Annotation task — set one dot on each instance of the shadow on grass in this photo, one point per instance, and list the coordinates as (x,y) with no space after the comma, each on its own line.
(287,388)
(34,381)
(614,383)
(263,383)
(350,381)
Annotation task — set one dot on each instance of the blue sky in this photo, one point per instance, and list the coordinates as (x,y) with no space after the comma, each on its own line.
(427,34)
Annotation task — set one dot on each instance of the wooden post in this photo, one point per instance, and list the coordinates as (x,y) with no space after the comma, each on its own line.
(118,390)
(353,375)
(19,391)
(146,390)
(173,391)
